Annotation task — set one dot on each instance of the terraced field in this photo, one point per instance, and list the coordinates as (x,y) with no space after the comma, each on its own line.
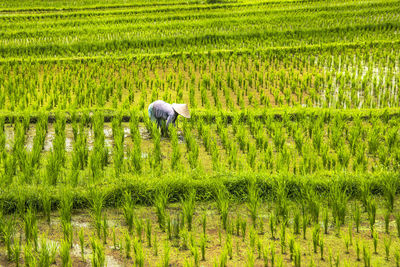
(291,156)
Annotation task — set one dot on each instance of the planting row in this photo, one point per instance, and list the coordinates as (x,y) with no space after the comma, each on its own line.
(351,78)
(317,229)
(88,150)
(195,27)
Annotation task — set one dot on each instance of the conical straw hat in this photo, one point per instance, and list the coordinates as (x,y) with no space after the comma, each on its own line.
(181,109)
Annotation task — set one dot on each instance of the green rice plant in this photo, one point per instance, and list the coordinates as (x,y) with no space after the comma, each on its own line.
(46,204)
(357,217)
(148,232)
(272,225)
(29,225)
(347,244)
(128,245)
(96,201)
(375,241)
(372,214)
(114,237)
(259,246)
(155,246)
(337,225)
(222,201)
(67,231)
(204,224)
(321,247)
(351,233)
(387,243)
(291,247)
(358,251)
(283,238)
(297,256)
(16,251)
(65,253)
(8,232)
(243,226)
(305,223)
(228,245)
(160,203)
(188,206)
(203,242)
(166,256)
(281,199)
(367,256)
(299,140)
(98,257)
(265,256)
(272,253)
(47,253)
(253,201)
(139,228)
(315,237)
(252,235)
(387,221)
(105,229)
(176,155)
(128,209)
(326,221)
(397,219)
(397,257)
(338,202)
(65,207)
(296,223)
(82,244)
(138,252)
(390,187)
(29,257)
(250,259)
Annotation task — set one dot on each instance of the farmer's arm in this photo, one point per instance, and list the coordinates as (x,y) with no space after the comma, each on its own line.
(171,119)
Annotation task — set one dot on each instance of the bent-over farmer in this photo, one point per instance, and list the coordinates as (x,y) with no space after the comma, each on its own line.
(160,111)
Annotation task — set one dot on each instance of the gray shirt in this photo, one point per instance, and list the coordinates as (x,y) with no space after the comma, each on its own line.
(164,111)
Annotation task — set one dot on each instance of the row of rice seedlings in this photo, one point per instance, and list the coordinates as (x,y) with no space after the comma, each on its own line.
(281,83)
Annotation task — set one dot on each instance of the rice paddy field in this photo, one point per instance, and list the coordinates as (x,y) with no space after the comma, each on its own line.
(291,156)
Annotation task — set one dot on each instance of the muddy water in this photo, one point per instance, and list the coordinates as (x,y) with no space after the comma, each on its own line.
(69,136)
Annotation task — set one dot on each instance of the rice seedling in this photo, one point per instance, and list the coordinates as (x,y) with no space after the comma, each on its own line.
(387,243)
(253,201)
(296,223)
(82,244)
(128,210)
(98,257)
(397,219)
(272,225)
(16,251)
(222,201)
(321,246)
(96,200)
(65,253)
(148,232)
(166,255)
(47,252)
(29,257)
(30,226)
(160,203)
(8,232)
(128,245)
(367,257)
(387,221)
(188,206)
(203,242)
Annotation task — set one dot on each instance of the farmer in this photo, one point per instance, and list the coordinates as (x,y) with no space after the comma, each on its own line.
(161,111)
